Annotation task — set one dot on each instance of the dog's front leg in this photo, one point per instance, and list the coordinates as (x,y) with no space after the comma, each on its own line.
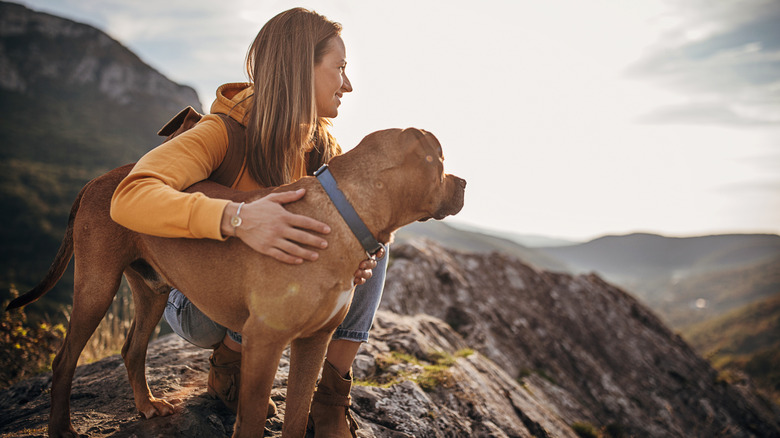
(306,358)
(261,351)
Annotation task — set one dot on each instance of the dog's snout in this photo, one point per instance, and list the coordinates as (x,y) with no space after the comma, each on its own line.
(453,202)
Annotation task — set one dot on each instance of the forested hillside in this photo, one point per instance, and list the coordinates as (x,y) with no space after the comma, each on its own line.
(75,103)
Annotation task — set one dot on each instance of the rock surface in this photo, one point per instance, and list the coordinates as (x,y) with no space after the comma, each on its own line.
(593,352)
(549,351)
(467,396)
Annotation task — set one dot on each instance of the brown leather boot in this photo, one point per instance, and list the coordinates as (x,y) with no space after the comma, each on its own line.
(330,416)
(225,378)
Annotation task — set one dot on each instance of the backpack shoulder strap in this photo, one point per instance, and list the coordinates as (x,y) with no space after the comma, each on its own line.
(227,172)
(186,119)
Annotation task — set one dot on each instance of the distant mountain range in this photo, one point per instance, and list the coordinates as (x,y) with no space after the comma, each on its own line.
(478,240)
(682,278)
(685,280)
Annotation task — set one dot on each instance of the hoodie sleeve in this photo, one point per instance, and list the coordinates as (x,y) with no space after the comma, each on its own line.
(150,199)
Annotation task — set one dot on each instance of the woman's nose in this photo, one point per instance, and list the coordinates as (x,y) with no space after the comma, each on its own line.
(347,85)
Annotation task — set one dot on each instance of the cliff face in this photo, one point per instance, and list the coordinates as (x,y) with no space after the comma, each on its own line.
(587,348)
(72,95)
(523,353)
(40,52)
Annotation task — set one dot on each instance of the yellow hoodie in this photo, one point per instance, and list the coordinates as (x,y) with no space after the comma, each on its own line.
(150,199)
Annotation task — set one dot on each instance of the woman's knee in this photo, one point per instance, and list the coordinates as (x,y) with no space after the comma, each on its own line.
(190,323)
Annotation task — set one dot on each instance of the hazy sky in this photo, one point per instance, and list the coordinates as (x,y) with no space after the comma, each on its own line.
(568,118)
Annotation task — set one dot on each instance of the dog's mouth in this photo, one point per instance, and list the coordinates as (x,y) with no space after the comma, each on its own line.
(453,202)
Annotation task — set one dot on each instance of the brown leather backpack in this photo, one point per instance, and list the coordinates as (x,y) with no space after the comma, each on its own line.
(227,172)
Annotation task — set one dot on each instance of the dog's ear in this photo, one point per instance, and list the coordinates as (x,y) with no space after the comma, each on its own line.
(423,143)
(412,134)
(411,139)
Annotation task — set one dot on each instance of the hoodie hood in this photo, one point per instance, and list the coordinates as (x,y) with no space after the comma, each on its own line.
(233,100)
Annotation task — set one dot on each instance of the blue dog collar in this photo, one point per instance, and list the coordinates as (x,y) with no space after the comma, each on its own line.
(346,210)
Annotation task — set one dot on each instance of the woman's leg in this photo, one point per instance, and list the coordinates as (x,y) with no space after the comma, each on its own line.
(190,323)
(353,331)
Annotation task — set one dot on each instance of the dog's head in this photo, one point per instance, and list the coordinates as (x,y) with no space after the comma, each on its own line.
(440,194)
(408,165)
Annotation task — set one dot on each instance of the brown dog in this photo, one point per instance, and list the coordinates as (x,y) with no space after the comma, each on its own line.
(392,178)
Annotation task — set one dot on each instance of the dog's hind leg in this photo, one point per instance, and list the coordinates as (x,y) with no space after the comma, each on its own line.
(92,297)
(306,358)
(149,308)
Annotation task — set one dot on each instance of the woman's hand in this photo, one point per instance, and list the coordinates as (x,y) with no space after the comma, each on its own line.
(268,228)
(365,270)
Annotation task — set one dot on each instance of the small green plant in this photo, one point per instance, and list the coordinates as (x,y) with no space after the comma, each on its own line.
(25,349)
(441,358)
(384,377)
(466,352)
(526,372)
(433,377)
(585,430)
(435,369)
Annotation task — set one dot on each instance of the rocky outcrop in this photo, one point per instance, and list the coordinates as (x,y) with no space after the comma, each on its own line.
(488,346)
(416,378)
(587,348)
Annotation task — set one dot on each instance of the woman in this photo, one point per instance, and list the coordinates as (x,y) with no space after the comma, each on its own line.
(296,66)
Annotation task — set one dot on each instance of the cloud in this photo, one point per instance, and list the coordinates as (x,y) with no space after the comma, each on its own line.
(725,60)
(753,188)
(713,113)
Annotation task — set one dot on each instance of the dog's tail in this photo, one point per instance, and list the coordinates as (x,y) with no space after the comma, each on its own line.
(59,264)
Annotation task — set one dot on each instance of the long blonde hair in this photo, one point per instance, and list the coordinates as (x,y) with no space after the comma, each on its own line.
(282,122)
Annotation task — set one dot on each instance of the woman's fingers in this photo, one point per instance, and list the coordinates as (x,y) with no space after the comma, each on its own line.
(297,220)
(368,264)
(296,251)
(272,230)
(307,223)
(304,238)
(285,197)
(284,257)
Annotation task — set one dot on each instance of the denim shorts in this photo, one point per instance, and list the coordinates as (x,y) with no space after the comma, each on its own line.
(195,327)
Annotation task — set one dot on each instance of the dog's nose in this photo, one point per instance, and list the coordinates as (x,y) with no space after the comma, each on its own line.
(461,182)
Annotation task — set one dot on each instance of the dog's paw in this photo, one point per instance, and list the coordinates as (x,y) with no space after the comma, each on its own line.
(64,432)
(156,408)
